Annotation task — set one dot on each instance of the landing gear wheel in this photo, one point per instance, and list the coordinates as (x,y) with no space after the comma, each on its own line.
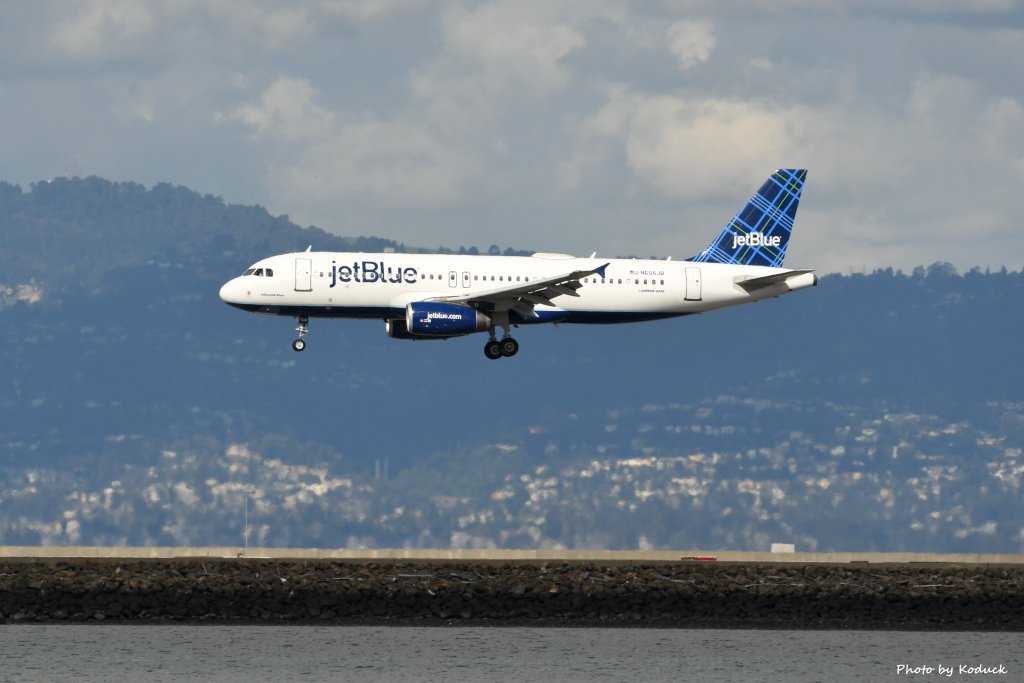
(509,347)
(493,349)
(303,329)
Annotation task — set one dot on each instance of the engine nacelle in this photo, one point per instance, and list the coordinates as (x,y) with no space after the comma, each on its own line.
(436,319)
(397,330)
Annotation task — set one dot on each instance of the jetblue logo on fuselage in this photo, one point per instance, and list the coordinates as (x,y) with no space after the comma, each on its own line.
(372,271)
(755,239)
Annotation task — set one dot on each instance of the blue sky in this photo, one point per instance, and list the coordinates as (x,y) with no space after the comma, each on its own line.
(556,125)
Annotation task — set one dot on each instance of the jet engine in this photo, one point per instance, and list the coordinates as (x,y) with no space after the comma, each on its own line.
(438,319)
(397,330)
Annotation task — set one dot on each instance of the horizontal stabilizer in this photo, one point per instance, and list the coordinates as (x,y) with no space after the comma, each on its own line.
(769,280)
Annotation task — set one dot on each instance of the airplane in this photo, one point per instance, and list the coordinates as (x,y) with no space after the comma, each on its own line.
(440,296)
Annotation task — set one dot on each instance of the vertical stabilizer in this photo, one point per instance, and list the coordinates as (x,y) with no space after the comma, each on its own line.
(759,234)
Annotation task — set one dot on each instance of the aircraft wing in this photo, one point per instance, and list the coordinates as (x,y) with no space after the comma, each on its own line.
(522,297)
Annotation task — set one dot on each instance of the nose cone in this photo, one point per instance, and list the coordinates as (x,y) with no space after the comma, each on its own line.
(229,292)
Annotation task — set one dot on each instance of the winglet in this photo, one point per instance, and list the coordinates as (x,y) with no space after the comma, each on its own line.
(600,270)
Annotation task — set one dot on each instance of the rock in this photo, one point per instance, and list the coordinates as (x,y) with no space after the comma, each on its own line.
(673,594)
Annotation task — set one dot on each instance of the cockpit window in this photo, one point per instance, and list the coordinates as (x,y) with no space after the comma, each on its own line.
(249,272)
(259,272)
(269,272)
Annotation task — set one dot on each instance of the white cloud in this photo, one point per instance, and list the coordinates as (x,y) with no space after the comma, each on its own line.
(1002,131)
(103,27)
(695,147)
(368,10)
(887,184)
(397,163)
(144,111)
(496,53)
(925,8)
(324,155)
(286,110)
(940,7)
(512,44)
(691,42)
(264,25)
(494,121)
(430,151)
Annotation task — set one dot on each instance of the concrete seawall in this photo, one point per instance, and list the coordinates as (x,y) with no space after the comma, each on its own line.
(457,555)
(200,585)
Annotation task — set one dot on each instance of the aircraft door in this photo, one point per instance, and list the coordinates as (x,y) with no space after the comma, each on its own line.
(465,279)
(303,275)
(453,278)
(693,284)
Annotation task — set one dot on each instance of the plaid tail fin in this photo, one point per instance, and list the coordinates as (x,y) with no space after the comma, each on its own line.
(759,233)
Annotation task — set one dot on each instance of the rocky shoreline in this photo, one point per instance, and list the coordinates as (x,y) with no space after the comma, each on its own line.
(680,594)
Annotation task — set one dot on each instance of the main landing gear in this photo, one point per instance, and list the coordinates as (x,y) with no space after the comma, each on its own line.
(303,329)
(495,349)
(508,346)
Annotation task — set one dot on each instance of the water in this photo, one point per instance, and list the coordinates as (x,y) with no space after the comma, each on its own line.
(491,654)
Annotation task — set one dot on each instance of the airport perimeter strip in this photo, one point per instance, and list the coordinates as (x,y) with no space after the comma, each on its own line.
(926,591)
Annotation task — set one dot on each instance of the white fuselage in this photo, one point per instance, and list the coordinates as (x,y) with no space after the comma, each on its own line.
(380,286)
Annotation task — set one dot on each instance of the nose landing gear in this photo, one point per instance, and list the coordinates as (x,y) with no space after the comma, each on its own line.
(303,329)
